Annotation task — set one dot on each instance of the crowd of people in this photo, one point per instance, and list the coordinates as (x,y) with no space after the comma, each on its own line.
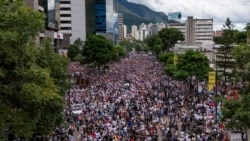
(136,101)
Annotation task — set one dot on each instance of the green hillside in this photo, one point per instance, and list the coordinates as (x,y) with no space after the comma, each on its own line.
(135,14)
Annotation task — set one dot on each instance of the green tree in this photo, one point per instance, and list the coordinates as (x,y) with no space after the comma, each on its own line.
(57,64)
(29,97)
(241,55)
(224,55)
(191,63)
(169,37)
(154,43)
(248,32)
(240,36)
(97,51)
(75,48)
(120,50)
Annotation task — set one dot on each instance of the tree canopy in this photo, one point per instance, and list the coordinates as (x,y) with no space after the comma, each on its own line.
(224,56)
(169,37)
(75,48)
(154,43)
(191,63)
(30,97)
(97,51)
(236,112)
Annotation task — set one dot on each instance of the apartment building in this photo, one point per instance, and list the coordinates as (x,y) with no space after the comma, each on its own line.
(134,33)
(120,27)
(125,31)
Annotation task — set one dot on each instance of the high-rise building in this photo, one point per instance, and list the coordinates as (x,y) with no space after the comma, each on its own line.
(203,30)
(78,24)
(153,28)
(65,16)
(90,17)
(52,22)
(125,31)
(120,27)
(190,31)
(134,33)
(106,19)
(72,18)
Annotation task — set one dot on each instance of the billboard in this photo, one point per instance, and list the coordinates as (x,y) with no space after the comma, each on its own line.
(174,16)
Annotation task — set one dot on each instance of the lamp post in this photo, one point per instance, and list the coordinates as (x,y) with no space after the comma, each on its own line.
(216,85)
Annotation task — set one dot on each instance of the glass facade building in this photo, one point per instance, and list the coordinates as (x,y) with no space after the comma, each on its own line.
(51,9)
(90,17)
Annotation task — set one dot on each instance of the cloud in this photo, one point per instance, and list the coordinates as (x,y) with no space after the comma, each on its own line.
(237,10)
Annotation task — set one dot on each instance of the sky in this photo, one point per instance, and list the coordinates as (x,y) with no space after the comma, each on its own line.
(219,10)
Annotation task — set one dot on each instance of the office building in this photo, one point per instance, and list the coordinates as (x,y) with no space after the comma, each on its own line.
(90,16)
(78,20)
(203,30)
(72,18)
(196,31)
(52,22)
(65,16)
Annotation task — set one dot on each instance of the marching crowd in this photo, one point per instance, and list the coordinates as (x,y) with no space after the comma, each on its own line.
(136,101)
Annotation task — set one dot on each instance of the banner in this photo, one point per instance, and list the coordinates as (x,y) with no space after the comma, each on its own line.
(175,59)
(211,80)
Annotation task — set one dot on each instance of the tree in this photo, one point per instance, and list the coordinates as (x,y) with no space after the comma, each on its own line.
(241,55)
(97,51)
(236,112)
(169,37)
(154,43)
(75,48)
(240,36)
(224,55)
(57,64)
(248,32)
(191,63)
(29,97)
(120,51)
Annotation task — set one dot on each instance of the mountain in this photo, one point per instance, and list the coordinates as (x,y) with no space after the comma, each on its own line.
(135,14)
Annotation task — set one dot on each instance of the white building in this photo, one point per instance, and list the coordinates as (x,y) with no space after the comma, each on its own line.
(161,26)
(65,16)
(134,33)
(125,31)
(196,31)
(72,18)
(203,30)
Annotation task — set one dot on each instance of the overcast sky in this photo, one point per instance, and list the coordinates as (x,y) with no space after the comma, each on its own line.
(237,10)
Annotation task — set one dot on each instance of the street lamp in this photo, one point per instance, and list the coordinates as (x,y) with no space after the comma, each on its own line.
(216,85)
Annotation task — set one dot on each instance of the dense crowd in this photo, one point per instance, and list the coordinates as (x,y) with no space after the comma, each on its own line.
(136,101)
